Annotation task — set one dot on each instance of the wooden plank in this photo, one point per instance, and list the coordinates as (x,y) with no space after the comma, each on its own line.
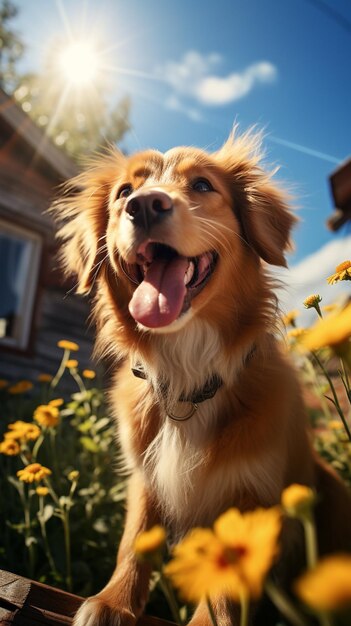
(25,602)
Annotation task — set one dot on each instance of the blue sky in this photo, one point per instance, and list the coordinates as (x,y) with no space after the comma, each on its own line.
(193,68)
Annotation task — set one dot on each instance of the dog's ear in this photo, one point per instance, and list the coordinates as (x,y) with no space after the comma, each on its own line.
(259,204)
(82,213)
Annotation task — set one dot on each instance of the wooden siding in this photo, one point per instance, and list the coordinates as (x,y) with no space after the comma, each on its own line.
(31,171)
(59,316)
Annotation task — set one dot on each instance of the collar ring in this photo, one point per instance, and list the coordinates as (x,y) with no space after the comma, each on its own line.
(186,417)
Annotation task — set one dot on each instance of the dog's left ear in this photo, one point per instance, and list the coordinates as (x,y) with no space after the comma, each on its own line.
(82,214)
(260,205)
(267,222)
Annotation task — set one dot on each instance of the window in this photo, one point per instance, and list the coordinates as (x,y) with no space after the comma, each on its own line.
(20,252)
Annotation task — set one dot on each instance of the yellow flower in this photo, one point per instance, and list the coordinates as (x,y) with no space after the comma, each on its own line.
(71,363)
(342,272)
(68,345)
(331,331)
(312,301)
(335,425)
(56,402)
(254,538)
(45,378)
(46,415)
(233,559)
(150,541)
(89,374)
(3,383)
(328,586)
(73,475)
(10,447)
(290,318)
(23,431)
(297,499)
(35,472)
(21,387)
(296,333)
(42,491)
(201,567)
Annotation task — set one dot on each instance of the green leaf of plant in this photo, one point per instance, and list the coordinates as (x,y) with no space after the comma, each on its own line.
(89,444)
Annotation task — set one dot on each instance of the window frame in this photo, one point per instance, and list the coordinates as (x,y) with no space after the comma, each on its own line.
(27,305)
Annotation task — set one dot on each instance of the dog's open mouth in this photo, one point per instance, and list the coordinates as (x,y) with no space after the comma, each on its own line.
(166,282)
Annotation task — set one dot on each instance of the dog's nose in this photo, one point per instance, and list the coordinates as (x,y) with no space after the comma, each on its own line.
(145,208)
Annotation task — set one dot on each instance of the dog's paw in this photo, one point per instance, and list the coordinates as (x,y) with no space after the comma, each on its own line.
(95,612)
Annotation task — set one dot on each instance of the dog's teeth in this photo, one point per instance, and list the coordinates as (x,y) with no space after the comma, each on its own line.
(189,273)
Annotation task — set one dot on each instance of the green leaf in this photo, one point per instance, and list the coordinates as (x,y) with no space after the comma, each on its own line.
(47,513)
(100,526)
(89,444)
(102,423)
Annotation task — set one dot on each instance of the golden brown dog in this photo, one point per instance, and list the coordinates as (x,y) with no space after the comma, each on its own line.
(209,410)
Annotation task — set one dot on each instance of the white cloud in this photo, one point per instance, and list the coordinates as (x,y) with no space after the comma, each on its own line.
(194,77)
(215,90)
(309,276)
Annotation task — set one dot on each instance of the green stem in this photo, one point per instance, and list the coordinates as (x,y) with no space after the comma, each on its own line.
(54,452)
(82,389)
(170,597)
(336,401)
(284,604)
(60,370)
(310,541)
(311,371)
(211,612)
(325,619)
(24,459)
(318,309)
(27,533)
(36,446)
(345,374)
(244,609)
(45,537)
(52,493)
(67,537)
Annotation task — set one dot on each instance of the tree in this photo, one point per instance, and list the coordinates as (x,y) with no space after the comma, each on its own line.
(79,119)
(11,46)
(79,125)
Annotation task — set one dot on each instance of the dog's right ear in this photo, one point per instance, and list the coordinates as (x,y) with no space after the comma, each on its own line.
(82,214)
(260,205)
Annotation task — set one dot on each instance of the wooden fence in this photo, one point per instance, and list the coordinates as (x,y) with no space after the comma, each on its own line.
(24,602)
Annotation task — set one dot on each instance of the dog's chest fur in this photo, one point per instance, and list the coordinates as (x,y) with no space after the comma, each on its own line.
(176,464)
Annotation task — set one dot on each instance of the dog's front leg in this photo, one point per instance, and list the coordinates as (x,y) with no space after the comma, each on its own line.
(121,602)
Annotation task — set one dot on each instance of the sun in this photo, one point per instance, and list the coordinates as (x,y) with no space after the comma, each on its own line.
(79,63)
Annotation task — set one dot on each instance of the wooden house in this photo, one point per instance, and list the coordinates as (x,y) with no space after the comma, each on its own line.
(340,185)
(36,307)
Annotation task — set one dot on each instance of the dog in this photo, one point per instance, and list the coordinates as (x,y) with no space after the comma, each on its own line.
(210,415)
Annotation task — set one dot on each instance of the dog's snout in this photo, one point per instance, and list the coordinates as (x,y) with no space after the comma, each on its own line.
(148,207)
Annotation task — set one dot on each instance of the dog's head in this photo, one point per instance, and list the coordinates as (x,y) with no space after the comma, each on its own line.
(179,231)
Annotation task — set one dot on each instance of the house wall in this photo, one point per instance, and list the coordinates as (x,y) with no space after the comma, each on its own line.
(28,183)
(58,317)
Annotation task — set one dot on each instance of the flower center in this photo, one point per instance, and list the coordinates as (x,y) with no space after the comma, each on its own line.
(34,468)
(231,556)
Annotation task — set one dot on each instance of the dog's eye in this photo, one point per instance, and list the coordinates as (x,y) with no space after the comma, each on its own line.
(125,191)
(202,185)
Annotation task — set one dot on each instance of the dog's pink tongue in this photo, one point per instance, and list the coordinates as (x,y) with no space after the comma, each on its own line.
(159,299)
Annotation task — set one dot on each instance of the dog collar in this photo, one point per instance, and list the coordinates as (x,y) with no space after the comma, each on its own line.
(206,392)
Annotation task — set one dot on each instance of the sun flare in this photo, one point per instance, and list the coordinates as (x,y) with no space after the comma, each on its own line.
(79,63)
